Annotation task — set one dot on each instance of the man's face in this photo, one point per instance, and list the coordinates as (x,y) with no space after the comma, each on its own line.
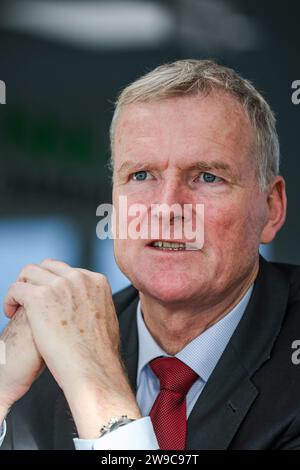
(190,150)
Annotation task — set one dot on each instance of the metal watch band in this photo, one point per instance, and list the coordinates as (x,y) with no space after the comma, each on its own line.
(115,423)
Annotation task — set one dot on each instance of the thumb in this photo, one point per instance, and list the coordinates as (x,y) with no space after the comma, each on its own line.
(17,296)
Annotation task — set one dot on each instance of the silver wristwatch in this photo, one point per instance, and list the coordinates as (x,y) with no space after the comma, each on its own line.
(115,423)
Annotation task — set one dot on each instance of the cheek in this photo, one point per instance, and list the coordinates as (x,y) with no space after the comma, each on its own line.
(219,219)
(232,226)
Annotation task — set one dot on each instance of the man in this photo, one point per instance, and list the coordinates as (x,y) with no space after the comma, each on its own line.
(206,335)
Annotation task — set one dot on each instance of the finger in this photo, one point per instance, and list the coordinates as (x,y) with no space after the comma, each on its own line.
(35,274)
(56,267)
(98,277)
(94,274)
(90,273)
(17,296)
(11,310)
(99,280)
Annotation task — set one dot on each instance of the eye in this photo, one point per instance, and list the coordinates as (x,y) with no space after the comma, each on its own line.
(209,178)
(141,175)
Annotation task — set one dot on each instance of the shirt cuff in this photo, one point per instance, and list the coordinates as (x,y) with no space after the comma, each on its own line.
(138,435)
(2,432)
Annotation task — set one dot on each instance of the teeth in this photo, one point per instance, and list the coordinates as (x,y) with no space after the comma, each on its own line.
(169,245)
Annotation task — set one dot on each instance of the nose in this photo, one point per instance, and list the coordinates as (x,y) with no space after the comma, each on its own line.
(173,191)
(171,198)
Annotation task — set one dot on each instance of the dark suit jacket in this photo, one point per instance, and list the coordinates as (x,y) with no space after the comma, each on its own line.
(251,400)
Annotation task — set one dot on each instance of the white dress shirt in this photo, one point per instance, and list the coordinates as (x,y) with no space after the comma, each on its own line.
(202,355)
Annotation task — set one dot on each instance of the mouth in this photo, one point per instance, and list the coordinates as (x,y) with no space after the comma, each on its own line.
(167,245)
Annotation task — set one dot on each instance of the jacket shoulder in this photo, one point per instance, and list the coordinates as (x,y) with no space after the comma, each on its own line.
(292,273)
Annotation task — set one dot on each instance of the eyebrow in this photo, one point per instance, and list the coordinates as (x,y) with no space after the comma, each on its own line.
(213,165)
(133,166)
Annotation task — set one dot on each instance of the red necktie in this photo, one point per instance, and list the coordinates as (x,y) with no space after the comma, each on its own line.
(168,413)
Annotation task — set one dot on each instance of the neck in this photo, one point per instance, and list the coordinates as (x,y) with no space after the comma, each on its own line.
(173,327)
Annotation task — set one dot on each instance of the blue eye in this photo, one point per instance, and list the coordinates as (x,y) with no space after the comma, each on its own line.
(140,175)
(209,178)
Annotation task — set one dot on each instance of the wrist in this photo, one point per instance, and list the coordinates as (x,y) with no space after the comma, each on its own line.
(93,406)
(4,409)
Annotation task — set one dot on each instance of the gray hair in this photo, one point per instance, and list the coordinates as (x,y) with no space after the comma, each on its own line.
(203,76)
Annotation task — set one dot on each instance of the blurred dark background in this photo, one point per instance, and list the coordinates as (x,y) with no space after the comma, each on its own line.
(64,62)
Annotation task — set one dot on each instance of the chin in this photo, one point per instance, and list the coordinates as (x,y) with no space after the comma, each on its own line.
(167,291)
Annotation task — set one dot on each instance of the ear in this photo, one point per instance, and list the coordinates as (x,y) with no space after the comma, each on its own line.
(276,210)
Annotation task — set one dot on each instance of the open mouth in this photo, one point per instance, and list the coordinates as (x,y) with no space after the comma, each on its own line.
(172,246)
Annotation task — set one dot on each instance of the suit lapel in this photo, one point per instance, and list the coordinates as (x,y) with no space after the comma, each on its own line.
(221,406)
(230,391)
(129,341)
(65,428)
(22,435)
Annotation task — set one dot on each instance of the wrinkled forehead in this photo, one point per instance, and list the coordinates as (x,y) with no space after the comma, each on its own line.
(183,127)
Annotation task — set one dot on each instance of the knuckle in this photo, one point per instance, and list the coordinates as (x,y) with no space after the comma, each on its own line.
(77,276)
(102,282)
(101,279)
(61,283)
(47,261)
(27,268)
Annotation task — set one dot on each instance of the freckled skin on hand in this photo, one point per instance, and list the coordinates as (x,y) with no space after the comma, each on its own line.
(64,322)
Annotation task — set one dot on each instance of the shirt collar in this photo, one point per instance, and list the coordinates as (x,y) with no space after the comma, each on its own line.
(201,354)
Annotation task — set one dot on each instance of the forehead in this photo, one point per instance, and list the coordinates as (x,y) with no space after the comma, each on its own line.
(186,127)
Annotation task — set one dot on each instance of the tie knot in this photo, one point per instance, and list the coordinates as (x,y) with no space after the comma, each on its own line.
(173,374)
